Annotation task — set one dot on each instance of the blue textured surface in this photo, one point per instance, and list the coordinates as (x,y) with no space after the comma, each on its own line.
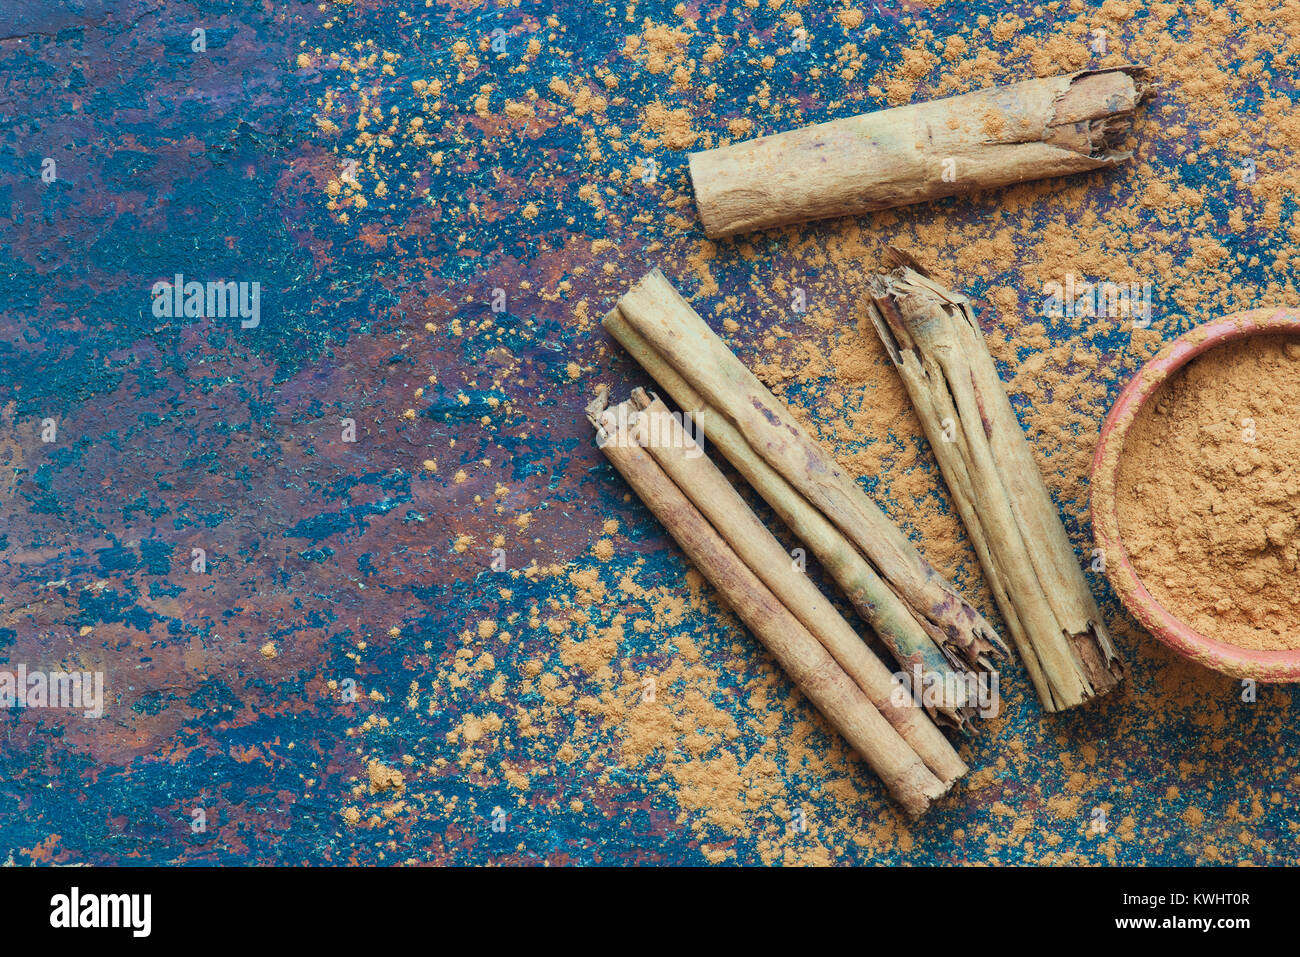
(175,434)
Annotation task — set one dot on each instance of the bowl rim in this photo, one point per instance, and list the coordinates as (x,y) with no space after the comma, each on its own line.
(1172,631)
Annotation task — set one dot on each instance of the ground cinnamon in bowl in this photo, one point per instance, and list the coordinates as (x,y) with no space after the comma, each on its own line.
(1208,493)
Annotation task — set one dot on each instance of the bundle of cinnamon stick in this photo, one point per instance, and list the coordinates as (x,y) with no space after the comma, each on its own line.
(815,646)
(936,344)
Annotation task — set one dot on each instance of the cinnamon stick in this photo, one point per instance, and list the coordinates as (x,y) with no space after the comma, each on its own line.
(936,344)
(1008,134)
(620,435)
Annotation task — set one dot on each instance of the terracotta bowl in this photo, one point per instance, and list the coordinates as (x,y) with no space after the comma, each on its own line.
(1178,635)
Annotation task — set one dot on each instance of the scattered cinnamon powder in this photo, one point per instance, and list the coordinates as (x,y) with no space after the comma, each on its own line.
(383,778)
(672,126)
(1209,493)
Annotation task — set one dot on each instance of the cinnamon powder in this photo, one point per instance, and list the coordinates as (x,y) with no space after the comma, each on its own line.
(1209,493)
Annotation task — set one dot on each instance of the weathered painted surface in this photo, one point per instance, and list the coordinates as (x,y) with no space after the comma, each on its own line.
(335,564)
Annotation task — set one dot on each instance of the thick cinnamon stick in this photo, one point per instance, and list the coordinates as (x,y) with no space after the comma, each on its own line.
(667,322)
(889,616)
(1008,134)
(937,346)
(699,479)
(801,655)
